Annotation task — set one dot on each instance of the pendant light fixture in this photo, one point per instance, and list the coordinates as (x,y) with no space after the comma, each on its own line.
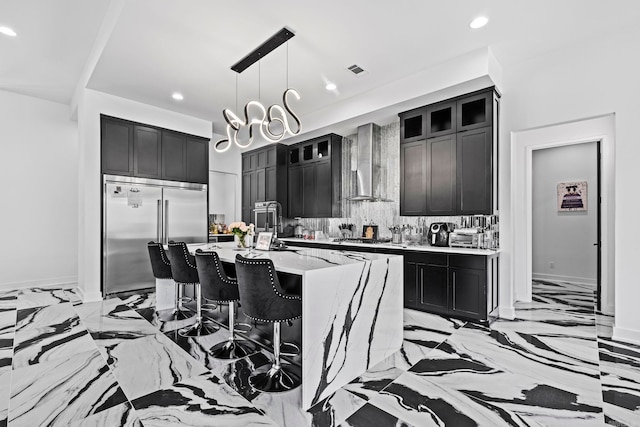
(255,113)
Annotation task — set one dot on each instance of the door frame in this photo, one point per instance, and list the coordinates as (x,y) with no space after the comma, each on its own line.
(524,142)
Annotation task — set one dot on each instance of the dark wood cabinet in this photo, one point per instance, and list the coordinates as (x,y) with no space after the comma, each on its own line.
(468,286)
(474,171)
(246,196)
(264,178)
(413,125)
(441,119)
(324,191)
(309,204)
(197,160)
(449,284)
(134,149)
(174,165)
(413,178)
(315,178)
(425,282)
(458,172)
(147,152)
(295,191)
(475,111)
(117,147)
(441,176)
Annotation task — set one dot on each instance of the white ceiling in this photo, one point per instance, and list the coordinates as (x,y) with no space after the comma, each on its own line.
(145,49)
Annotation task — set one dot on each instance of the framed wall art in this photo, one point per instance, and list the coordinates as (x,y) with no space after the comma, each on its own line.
(572,196)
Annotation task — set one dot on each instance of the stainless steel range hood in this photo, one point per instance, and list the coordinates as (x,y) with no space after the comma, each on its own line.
(369,161)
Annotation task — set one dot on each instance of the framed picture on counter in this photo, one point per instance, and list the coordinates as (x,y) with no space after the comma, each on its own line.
(264,241)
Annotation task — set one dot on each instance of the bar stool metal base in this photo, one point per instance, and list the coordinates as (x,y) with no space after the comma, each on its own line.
(274,379)
(231,349)
(199,329)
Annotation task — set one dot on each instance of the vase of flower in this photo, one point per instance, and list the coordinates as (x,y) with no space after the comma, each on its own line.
(242,234)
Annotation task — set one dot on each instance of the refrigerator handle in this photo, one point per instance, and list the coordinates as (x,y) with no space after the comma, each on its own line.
(166,221)
(159,222)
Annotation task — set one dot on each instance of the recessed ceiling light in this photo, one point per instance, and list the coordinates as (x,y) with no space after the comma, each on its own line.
(479,22)
(177,96)
(330,86)
(8,31)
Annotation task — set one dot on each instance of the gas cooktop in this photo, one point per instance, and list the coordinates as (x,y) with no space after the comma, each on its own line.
(361,240)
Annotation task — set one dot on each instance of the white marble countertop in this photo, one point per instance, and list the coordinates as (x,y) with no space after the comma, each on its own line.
(295,260)
(403,246)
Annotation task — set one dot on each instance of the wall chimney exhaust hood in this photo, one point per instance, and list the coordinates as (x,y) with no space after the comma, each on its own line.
(369,165)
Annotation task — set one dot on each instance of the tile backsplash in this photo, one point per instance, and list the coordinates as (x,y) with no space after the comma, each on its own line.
(383,214)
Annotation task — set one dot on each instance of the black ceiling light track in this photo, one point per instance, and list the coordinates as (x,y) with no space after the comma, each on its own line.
(263,50)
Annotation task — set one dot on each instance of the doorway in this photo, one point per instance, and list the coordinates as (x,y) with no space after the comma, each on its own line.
(524,143)
(565,215)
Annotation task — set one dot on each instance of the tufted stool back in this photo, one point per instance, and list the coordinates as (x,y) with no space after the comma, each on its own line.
(159,262)
(183,264)
(261,295)
(216,286)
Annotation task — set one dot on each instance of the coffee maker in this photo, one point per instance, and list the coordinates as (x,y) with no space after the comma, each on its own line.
(438,234)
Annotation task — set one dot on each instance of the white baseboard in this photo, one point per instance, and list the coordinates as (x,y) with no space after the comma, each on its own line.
(631,336)
(58,281)
(558,278)
(505,312)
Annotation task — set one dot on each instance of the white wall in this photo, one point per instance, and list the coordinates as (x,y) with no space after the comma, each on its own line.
(585,80)
(564,238)
(224,169)
(90,105)
(38,189)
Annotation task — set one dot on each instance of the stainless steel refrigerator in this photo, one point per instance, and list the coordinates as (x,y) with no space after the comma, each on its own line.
(137,211)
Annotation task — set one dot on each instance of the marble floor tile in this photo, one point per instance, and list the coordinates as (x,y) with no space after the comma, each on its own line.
(114,318)
(7,321)
(153,317)
(140,300)
(620,377)
(201,400)
(373,381)
(43,316)
(146,364)
(97,308)
(330,412)
(370,415)
(427,329)
(62,391)
(286,408)
(9,300)
(5,393)
(198,348)
(7,335)
(502,389)
(236,374)
(122,415)
(38,297)
(48,333)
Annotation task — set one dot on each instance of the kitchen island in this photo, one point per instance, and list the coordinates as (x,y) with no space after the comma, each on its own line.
(352,308)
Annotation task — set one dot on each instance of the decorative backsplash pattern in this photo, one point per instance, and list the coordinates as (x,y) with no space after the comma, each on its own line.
(384,214)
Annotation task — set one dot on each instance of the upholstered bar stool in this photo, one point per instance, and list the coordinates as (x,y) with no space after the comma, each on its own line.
(161,268)
(184,271)
(263,299)
(218,287)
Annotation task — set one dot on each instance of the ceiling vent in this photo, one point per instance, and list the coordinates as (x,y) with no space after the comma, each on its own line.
(356,69)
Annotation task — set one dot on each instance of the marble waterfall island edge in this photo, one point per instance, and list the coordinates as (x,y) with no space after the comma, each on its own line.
(352,320)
